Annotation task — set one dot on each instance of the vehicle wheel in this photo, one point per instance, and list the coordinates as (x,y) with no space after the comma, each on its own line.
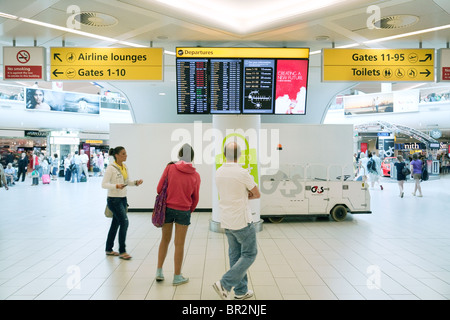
(338,213)
(276,219)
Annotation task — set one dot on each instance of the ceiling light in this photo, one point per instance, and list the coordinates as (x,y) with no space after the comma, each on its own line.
(70,30)
(8,16)
(398,36)
(408,34)
(251,14)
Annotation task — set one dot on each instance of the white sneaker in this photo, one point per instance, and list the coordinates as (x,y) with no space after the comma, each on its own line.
(224,294)
(248,295)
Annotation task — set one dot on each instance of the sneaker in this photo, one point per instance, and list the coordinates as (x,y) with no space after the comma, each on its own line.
(413,194)
(381,187)
(178,279)
(420,196)
(159,275)
(224,294)
(248,295)
(402,194)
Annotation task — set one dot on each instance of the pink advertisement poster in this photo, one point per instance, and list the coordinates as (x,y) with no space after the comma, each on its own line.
(292,76)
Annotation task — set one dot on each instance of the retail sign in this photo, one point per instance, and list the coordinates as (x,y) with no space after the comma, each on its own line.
(95,64)
(24,63)
(34,133)
(384,65)
(443,65)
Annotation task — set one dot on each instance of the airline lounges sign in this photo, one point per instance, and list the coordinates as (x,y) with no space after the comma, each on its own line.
(106,64)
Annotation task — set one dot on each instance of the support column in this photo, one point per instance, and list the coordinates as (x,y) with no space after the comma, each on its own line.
(243,129)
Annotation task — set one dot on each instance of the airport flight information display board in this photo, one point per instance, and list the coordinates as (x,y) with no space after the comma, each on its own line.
(241,80)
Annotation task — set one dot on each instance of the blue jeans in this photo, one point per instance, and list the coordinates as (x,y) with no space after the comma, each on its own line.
(242,250)
(118,206)
(76,173)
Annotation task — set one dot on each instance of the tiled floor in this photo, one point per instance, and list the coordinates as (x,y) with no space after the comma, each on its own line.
(52,247)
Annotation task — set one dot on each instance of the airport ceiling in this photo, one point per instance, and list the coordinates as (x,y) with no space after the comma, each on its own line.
(315,24)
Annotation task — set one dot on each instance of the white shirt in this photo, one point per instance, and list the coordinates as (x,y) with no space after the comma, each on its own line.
(84,158)
(233,183)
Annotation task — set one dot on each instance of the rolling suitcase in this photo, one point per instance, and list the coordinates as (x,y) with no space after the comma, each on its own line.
(45,178)
(68,175)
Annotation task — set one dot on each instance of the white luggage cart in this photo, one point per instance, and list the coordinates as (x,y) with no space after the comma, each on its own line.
(314,190)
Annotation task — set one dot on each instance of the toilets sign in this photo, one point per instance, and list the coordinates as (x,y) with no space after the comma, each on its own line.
(106,64)
(384,65)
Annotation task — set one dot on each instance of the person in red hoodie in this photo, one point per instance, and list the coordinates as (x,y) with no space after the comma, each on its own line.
(182,199)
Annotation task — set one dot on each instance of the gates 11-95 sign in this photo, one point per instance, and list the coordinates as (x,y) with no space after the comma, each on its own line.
(386,65)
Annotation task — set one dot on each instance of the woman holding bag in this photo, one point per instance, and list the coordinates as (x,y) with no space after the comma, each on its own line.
(116,180)
(182,199)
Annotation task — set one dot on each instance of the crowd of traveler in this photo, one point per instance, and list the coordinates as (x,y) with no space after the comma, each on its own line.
(235,187)
(369,169)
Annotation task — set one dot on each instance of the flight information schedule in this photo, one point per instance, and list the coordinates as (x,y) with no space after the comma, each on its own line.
(225,85)
(258,86)
(192,81)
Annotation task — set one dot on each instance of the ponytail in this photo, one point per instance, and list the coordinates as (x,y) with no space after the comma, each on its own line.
(114,151)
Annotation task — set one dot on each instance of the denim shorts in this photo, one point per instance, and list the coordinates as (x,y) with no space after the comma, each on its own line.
(178,216)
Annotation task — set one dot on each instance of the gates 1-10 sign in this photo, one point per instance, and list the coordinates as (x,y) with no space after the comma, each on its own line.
(106,64)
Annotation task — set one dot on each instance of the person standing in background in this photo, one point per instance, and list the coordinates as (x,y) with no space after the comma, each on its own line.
(23,165)
(3,177)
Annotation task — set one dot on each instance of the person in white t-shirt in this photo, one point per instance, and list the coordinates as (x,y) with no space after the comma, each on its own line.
(235,187)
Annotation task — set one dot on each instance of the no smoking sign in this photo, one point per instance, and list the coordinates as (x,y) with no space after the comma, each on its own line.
(24,63)
(23,56)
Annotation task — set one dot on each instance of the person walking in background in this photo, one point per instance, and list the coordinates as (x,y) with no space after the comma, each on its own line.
(363,172)
(67,171)
(84,164)
(116,180)
(101,163)
(235,187)
(55,167)
(400,176)
(416,169)
(375,171)
(23,165)
(182,199)
(76,168)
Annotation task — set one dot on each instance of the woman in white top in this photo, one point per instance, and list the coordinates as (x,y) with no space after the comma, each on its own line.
(116,180)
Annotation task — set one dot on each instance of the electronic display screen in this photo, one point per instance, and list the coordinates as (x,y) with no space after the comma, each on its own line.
(225,79)
(242,80)
(192,86)
(291,87)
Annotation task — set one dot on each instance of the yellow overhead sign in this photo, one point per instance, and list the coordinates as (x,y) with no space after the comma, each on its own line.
(106,63)
(199,52)
(386,65)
